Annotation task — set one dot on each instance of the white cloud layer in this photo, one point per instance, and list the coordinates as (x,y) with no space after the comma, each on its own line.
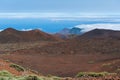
(1,30)
(88,27)
(30,29)
(26,29)
(57,16)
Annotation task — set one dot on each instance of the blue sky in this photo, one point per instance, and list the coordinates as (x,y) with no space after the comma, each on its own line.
(54,15)
(61,7)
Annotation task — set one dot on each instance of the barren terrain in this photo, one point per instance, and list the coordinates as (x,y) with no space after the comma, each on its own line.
(89,53)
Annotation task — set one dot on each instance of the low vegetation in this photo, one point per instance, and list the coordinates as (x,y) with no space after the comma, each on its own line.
(106,64)
(5,75)
(91,62)
(92,74)
(17,67)
(118,71)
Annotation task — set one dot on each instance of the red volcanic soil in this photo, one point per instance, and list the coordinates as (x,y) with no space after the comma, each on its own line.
(88,52)
(11,35)
(65,65)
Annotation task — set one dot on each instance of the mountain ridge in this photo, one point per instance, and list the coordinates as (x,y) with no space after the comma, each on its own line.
(12,35)
(102,33)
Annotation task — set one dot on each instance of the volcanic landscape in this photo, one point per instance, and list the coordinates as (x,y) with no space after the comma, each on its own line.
(94,51)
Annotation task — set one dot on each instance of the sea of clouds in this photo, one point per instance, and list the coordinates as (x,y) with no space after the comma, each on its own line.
(88,27)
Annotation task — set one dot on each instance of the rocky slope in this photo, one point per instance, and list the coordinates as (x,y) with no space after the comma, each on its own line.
(11,35)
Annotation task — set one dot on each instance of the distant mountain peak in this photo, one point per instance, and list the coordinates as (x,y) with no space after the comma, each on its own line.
(64,31)
(75,30)
(69,33)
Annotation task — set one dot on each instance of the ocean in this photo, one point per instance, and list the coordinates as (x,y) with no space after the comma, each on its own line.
(48,25)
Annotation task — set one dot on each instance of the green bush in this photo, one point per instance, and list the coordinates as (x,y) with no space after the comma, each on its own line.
(17,67)
(81,74)
(5,73)
(32,78)
(56,78)
(92,74)
(101,74)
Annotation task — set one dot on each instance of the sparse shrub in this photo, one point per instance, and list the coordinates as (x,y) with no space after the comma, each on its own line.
(56,78)
(92,74)
(32,78)
(101,74)
(91,62)
(68,78)
(5,73)
(17,67)
(118,71)
(33,71)
(107,64)
(7,61)
(80,74)
(49,75)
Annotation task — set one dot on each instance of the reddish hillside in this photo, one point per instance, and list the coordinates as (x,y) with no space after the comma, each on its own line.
(107,42)
(12,35)
(82,53)
(102,33)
